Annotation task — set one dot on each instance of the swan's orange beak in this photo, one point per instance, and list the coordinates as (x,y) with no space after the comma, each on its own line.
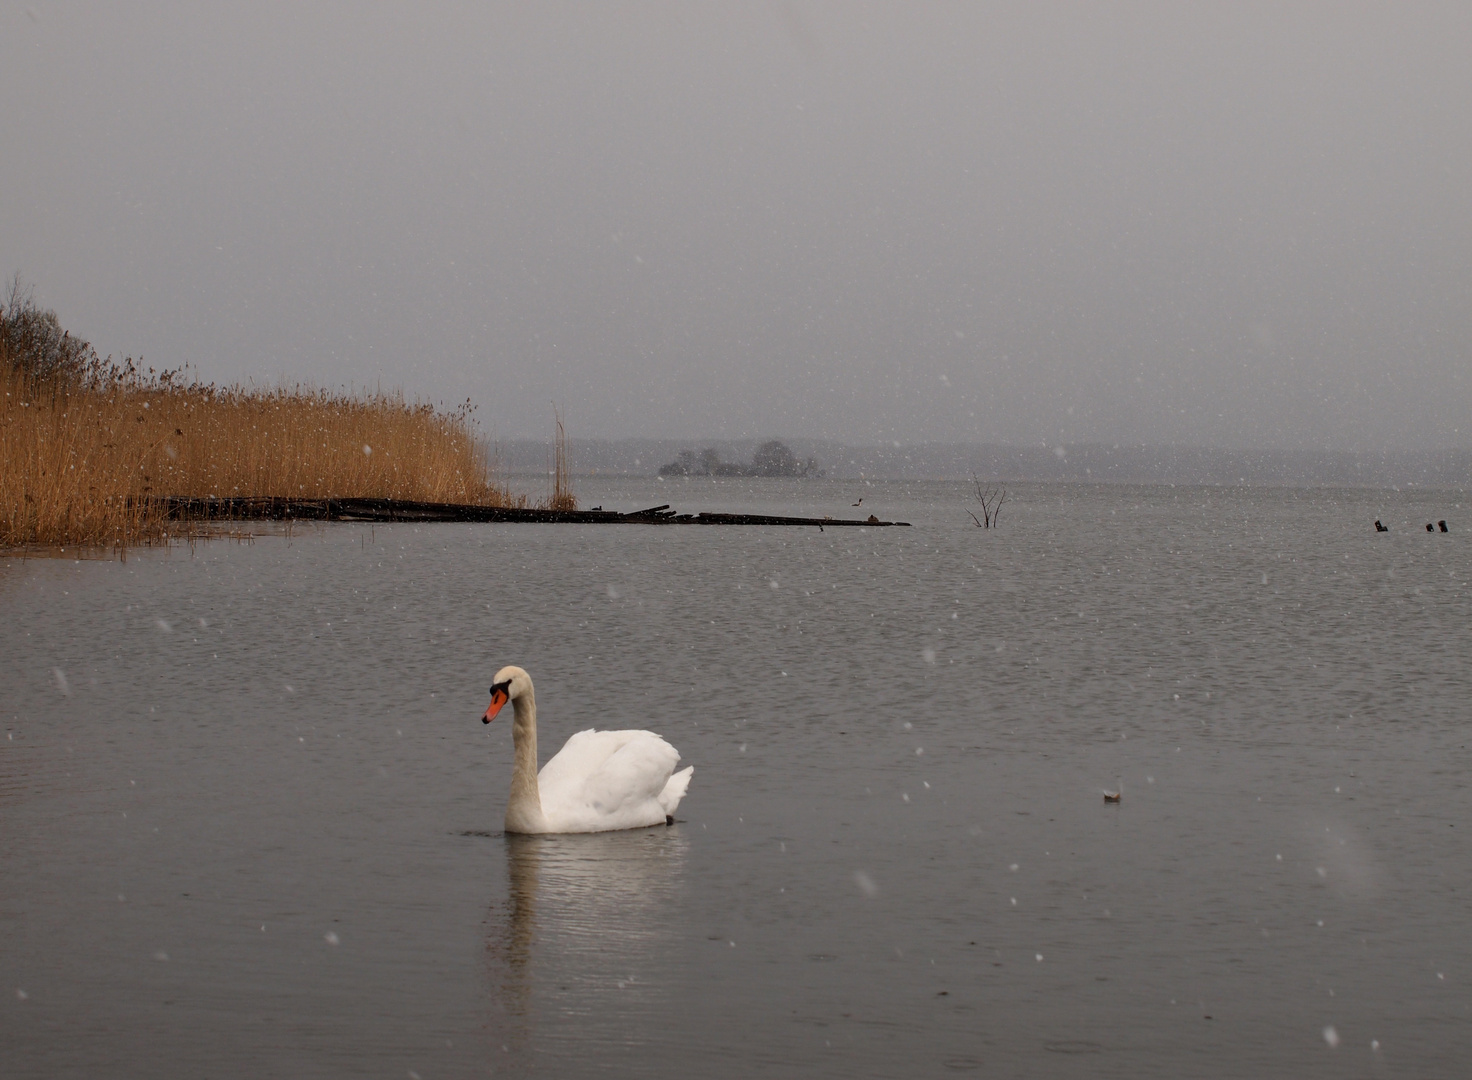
(499,697)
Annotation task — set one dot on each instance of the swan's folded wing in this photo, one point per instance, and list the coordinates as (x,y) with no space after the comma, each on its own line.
(608,779)
(633,776)
(580,757)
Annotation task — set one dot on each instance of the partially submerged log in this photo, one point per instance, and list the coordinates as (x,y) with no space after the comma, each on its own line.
(209,508)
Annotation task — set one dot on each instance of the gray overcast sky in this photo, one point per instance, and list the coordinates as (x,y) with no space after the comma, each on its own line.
(1225,224)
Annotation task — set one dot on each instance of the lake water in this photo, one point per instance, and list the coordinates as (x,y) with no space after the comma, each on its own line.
(250,821)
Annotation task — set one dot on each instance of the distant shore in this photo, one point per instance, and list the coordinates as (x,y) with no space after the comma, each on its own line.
(1083,462)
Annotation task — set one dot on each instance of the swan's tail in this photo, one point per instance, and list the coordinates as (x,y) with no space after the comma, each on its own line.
(675,789)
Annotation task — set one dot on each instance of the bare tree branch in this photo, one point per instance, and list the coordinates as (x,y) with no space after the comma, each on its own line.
(991,503)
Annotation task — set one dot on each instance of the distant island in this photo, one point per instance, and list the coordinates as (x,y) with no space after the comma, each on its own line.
(772,458)
(1449,468)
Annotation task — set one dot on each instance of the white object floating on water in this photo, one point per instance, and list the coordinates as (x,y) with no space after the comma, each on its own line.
(865,883)
(1013,868)
(1331,1037)
(61,684)
(1040,957)
(330,938)
(642,789)
(1375,1044)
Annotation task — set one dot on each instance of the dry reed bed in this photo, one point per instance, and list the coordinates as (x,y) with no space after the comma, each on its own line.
(82,463)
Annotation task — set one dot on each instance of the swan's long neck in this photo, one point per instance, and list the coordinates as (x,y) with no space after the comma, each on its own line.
(524,808)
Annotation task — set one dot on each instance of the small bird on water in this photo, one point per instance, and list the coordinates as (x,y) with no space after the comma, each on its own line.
(1112,796)
(859,503)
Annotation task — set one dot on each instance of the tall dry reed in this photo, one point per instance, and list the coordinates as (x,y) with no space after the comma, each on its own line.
(82,461)
(562,496)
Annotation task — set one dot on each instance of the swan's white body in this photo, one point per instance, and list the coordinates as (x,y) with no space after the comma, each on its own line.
(599,781)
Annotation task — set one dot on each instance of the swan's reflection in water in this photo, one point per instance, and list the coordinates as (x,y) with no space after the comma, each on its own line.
(583,951)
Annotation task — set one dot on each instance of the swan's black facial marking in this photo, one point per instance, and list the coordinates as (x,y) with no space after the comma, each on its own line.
(504,687)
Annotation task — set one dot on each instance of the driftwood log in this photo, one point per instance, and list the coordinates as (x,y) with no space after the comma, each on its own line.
(190,508)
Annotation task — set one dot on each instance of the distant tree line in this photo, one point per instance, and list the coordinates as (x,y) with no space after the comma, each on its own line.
(772,458)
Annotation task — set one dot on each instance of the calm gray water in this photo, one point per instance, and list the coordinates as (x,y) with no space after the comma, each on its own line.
(251,819)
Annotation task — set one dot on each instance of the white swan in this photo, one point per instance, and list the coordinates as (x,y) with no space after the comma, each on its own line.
(599,781)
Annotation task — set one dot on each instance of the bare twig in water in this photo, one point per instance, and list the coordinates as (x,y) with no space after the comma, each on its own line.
(991,500)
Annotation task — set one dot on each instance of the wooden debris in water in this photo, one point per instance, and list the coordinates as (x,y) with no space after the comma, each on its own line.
(387,510)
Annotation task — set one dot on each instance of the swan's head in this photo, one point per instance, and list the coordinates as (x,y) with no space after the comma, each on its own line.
(510,682)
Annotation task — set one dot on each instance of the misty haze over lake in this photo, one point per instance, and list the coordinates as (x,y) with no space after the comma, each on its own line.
(1087,462)
(1230,225)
